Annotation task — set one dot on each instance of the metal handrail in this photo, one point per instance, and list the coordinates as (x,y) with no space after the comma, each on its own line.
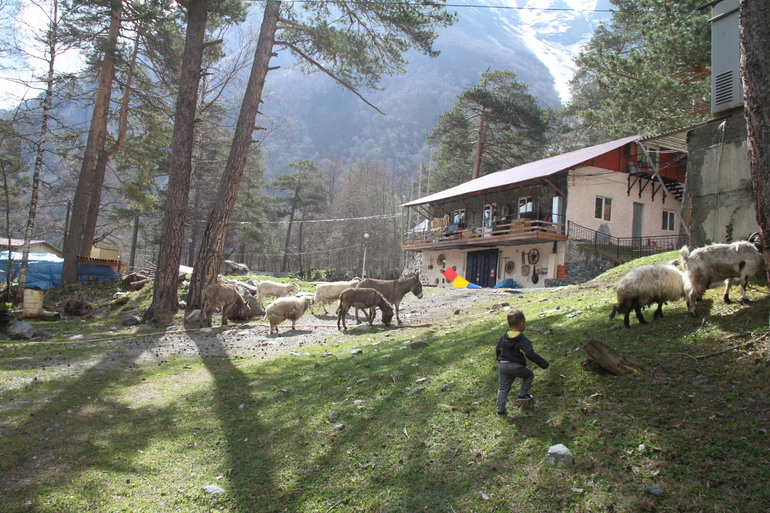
(624,248)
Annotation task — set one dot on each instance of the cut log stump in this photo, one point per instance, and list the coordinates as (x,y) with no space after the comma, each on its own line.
(611,360)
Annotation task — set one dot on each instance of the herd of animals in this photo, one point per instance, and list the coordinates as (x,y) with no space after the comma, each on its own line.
(367,295)
(641,287)
(700,268)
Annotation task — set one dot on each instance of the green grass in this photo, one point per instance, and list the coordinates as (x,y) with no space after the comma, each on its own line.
(119,435)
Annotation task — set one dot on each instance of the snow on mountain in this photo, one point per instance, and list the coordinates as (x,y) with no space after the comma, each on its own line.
(555,31)
(314,118)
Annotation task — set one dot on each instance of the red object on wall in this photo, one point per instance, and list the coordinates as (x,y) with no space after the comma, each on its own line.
(561,271)
(450,274)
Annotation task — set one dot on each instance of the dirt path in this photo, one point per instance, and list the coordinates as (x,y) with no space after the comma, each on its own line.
(437,306)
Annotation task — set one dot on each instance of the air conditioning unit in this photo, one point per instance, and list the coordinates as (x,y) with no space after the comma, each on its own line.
(726,87)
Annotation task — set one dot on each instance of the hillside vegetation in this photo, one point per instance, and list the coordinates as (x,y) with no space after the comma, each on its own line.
(402,427)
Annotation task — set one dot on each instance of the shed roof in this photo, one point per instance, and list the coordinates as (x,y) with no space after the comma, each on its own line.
(18,243)
(525,172)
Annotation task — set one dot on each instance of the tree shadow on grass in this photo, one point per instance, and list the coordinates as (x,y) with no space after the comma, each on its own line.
(251,465)
(72,428)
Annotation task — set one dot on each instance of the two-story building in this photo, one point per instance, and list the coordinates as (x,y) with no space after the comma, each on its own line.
(621,199)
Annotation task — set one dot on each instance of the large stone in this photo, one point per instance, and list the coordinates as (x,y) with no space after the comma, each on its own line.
(20,330)
(559,455)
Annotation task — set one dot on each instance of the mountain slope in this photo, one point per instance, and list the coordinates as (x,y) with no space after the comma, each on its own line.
(312,117)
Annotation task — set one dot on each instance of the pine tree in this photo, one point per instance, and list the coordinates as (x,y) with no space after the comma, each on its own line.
(646,71)
(493,125)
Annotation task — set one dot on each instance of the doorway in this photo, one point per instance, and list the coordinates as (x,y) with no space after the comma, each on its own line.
(636,224)
(482,267)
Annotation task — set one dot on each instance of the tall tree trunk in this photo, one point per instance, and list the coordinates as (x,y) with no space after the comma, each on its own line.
(479,148)
(196,155)
(52,41)
(74,242)
(755,70)
(213,241)
(164,298)
(300,244)
(95,200)
(287,242)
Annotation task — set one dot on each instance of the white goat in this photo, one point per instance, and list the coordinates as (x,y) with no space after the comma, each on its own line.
(326,293)
(646,285)
(287,308)
(717,262)
(275,289)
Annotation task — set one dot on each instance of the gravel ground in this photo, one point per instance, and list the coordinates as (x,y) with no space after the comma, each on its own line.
(253,337)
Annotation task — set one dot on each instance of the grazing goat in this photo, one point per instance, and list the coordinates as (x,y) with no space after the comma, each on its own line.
(287,308)
(275,289)
(717,262)
(330,292)
(646,285)
(394,290)
(233,305)
(365,299)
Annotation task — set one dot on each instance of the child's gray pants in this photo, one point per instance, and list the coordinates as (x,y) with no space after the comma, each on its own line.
(508,372)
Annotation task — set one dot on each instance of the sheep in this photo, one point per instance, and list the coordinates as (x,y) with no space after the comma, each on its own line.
(646,285)
(287,308)
(233,305)
(365,299)
(275,289)
(330,292)
(394,290)
(717,262)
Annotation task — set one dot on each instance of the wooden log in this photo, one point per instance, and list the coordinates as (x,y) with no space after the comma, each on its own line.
(45,315)
(138,285)
(610,359)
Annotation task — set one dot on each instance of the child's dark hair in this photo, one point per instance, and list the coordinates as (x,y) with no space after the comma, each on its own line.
(515,318)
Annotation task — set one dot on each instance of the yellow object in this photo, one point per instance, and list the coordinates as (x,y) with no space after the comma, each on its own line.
(33,302)
(460,282)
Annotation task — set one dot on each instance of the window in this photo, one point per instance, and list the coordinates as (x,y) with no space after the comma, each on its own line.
(669,221)
(489,215)
(525,205)
(603,208)
(459,218)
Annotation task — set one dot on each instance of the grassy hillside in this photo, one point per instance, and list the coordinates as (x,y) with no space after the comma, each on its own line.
(328,430)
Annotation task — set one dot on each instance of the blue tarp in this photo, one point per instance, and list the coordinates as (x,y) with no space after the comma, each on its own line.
(508,283)
(44,271)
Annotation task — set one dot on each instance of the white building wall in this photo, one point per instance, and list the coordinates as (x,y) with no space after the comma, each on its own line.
(586,183)
(431,271)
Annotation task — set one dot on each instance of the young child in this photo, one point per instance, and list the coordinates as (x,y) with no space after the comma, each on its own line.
(513,350)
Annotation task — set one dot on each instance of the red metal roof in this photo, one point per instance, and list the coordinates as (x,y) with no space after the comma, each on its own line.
(526,172)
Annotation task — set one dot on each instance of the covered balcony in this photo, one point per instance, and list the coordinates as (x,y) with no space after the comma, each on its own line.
(516,231)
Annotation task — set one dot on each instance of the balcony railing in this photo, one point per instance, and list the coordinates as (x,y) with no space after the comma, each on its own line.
(624,248)
(518,230)
(532,230)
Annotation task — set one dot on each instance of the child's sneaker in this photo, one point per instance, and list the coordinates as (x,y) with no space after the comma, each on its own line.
(526,397)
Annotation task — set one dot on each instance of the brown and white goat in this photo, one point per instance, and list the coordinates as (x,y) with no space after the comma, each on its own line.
(718,262)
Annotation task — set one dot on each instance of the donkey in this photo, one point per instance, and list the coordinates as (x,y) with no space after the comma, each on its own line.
(393,290)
